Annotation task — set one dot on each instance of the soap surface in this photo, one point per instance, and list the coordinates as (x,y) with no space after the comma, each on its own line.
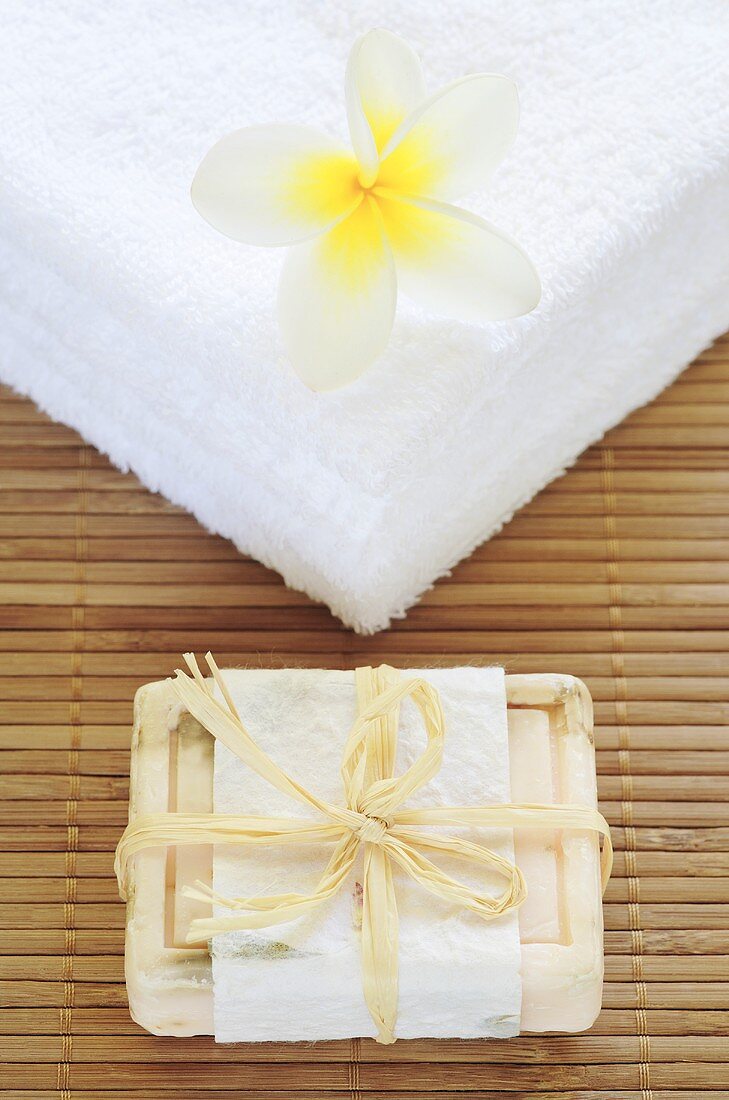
(459,975)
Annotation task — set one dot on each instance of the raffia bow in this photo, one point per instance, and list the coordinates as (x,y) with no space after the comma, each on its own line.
(372,817)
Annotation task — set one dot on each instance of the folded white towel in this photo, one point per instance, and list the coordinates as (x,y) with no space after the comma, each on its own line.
(125,315)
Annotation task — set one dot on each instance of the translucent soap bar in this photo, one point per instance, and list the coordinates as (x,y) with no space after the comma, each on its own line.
(552,759)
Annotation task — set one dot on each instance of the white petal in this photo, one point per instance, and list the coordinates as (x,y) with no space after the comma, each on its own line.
(337,300)
(456,263)
(452,143)
(273,185)
(384,83)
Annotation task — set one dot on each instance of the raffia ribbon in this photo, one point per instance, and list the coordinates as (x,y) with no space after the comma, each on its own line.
(372,816)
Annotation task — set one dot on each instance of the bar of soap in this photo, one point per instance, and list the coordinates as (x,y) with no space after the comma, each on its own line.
(560,925)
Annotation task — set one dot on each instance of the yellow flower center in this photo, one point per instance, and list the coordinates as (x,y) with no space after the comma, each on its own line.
(325,187)
(333,188)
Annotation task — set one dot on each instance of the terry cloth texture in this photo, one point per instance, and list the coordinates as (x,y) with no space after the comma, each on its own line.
(123,314)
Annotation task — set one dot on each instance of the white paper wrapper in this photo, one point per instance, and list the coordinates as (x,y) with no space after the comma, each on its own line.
(459,975)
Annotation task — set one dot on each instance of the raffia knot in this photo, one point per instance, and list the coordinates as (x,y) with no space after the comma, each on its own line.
(373,829)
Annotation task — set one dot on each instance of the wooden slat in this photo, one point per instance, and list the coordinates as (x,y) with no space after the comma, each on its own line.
(571,1050)
(117,1021)
(382,1080)
(617,573)
(203,1093)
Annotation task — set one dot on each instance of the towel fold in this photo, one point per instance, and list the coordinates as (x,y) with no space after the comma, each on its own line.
(123,314)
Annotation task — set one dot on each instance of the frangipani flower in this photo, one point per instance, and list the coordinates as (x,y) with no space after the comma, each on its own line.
(365,224)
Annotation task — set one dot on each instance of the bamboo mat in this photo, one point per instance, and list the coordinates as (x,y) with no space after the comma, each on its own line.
(618,573)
